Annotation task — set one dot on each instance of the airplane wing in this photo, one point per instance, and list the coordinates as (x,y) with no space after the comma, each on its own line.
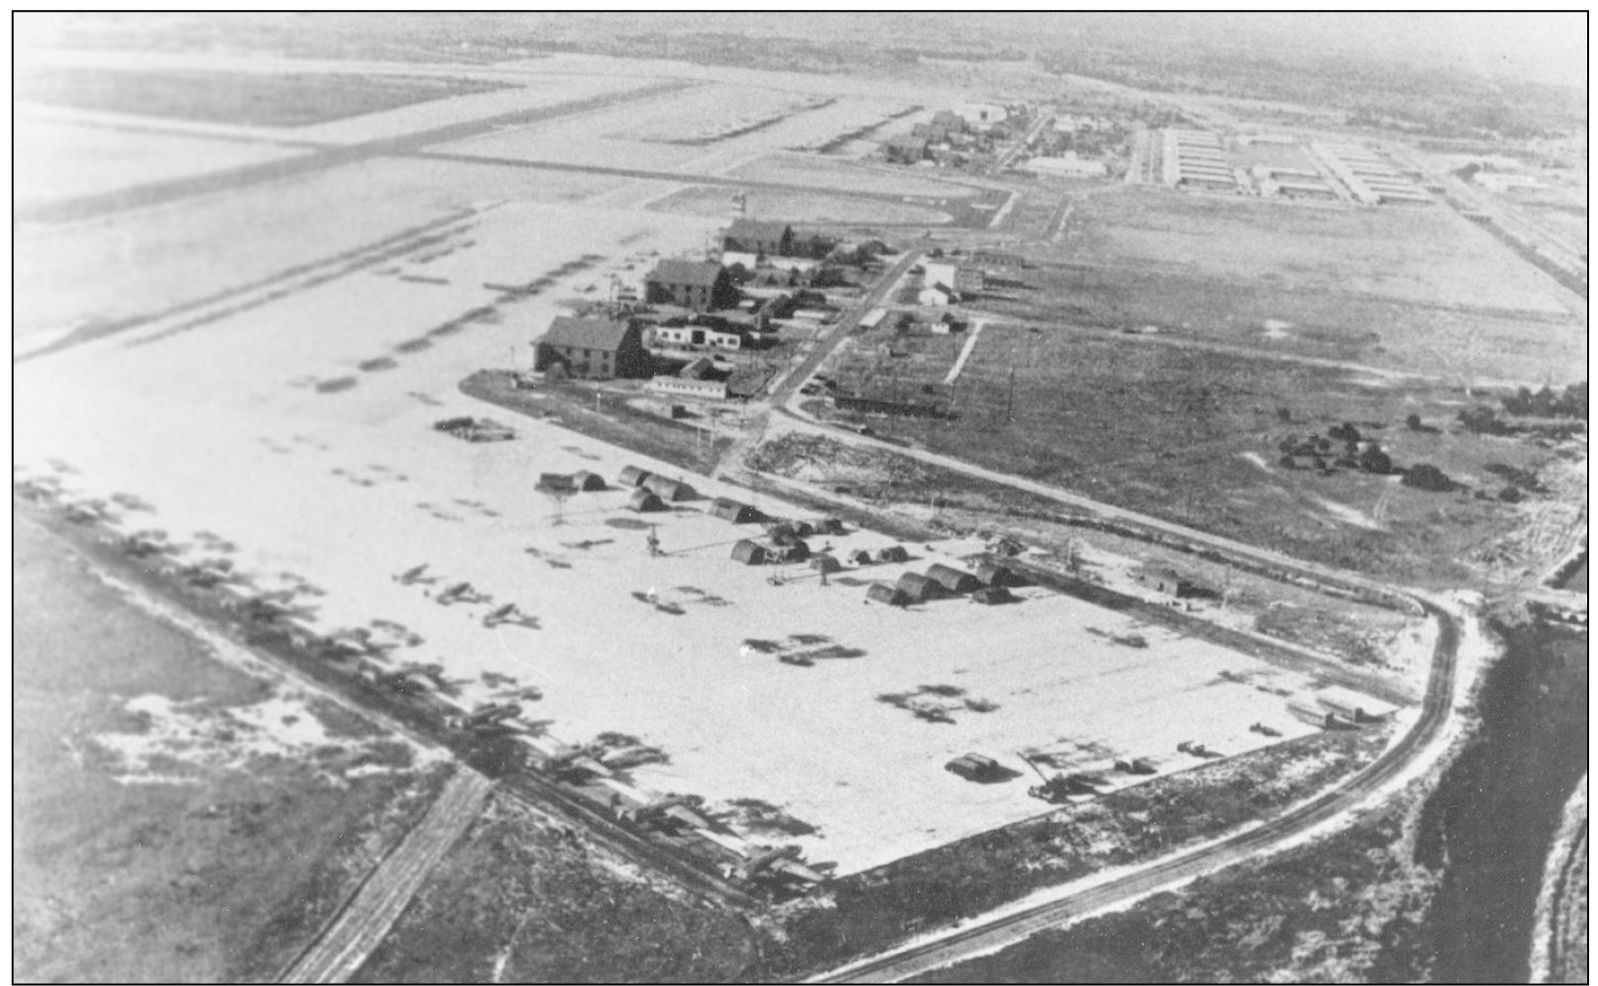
(590,765)
(688,816)
(797,870)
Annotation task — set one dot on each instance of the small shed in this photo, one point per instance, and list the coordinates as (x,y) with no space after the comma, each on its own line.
(644,501)
(953,579)
(882,592)
(893,552)
(668,489)
(632,476)
(830,525)
(588,482)
(1353,705)
(749,552)
(918,588)
(795,550)
(732,510)
(826,564)
(781,532)
(993,595)
(860,556)
(991,573)
(803,528)
(556,482)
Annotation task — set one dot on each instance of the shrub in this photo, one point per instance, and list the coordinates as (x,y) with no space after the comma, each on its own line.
(1425,476)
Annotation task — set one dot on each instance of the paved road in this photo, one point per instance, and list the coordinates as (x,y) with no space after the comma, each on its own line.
(329,156)
(387,891)
(1178,869)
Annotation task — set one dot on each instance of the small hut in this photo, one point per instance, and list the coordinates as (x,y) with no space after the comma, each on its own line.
(803,528)
(919,588)
(668,489)
(795,550)
(644,501)
(830,525)
(556,482)
(993,574)
(882,592)
(588,482)
(953,579)
(781,532)
(748,552)
(860,556)
(732,510)
(893,552)
(826,564)
(993,595)
(632,476)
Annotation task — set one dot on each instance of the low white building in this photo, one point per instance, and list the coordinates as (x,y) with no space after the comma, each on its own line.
(935,294)
(1067,165)
(714,390)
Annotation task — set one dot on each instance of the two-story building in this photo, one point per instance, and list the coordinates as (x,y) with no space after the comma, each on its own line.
(592,348)
(698,285)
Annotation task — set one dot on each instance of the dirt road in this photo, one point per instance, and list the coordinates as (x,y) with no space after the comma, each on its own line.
(363,922)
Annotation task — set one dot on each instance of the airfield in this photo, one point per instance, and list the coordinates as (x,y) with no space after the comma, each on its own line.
(270,396)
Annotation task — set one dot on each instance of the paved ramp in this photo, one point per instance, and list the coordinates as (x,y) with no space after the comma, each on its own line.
(367,917)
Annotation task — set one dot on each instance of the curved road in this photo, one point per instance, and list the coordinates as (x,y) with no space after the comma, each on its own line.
(1180,868)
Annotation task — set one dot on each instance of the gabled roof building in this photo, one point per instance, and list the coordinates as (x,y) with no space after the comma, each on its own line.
(591,348)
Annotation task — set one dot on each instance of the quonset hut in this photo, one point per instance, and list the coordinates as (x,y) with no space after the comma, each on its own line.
(953,579)
(919,588)
(734,511)
(644,501)
(748,552)
(668,489)
(632,476)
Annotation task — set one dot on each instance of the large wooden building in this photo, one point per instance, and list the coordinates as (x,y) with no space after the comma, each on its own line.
(698,285)
(592,348)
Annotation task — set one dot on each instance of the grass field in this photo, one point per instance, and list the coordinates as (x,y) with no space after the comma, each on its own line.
(177,818)
(523,898)
(249,98)
(1427,256)
(1191,434)
(1273,315)
(1344,910)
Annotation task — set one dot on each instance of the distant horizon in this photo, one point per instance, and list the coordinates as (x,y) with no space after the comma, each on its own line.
(1543,47)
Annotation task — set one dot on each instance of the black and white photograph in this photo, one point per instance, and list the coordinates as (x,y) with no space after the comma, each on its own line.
(799,497)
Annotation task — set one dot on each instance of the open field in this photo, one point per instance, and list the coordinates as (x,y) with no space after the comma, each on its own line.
(1193,434)
(799,207)
(1344,910)
(1271,316)
(525,898)
(179,817)
(252,99)
(151,263)
(1423,256)
(826,173)
(59,160)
